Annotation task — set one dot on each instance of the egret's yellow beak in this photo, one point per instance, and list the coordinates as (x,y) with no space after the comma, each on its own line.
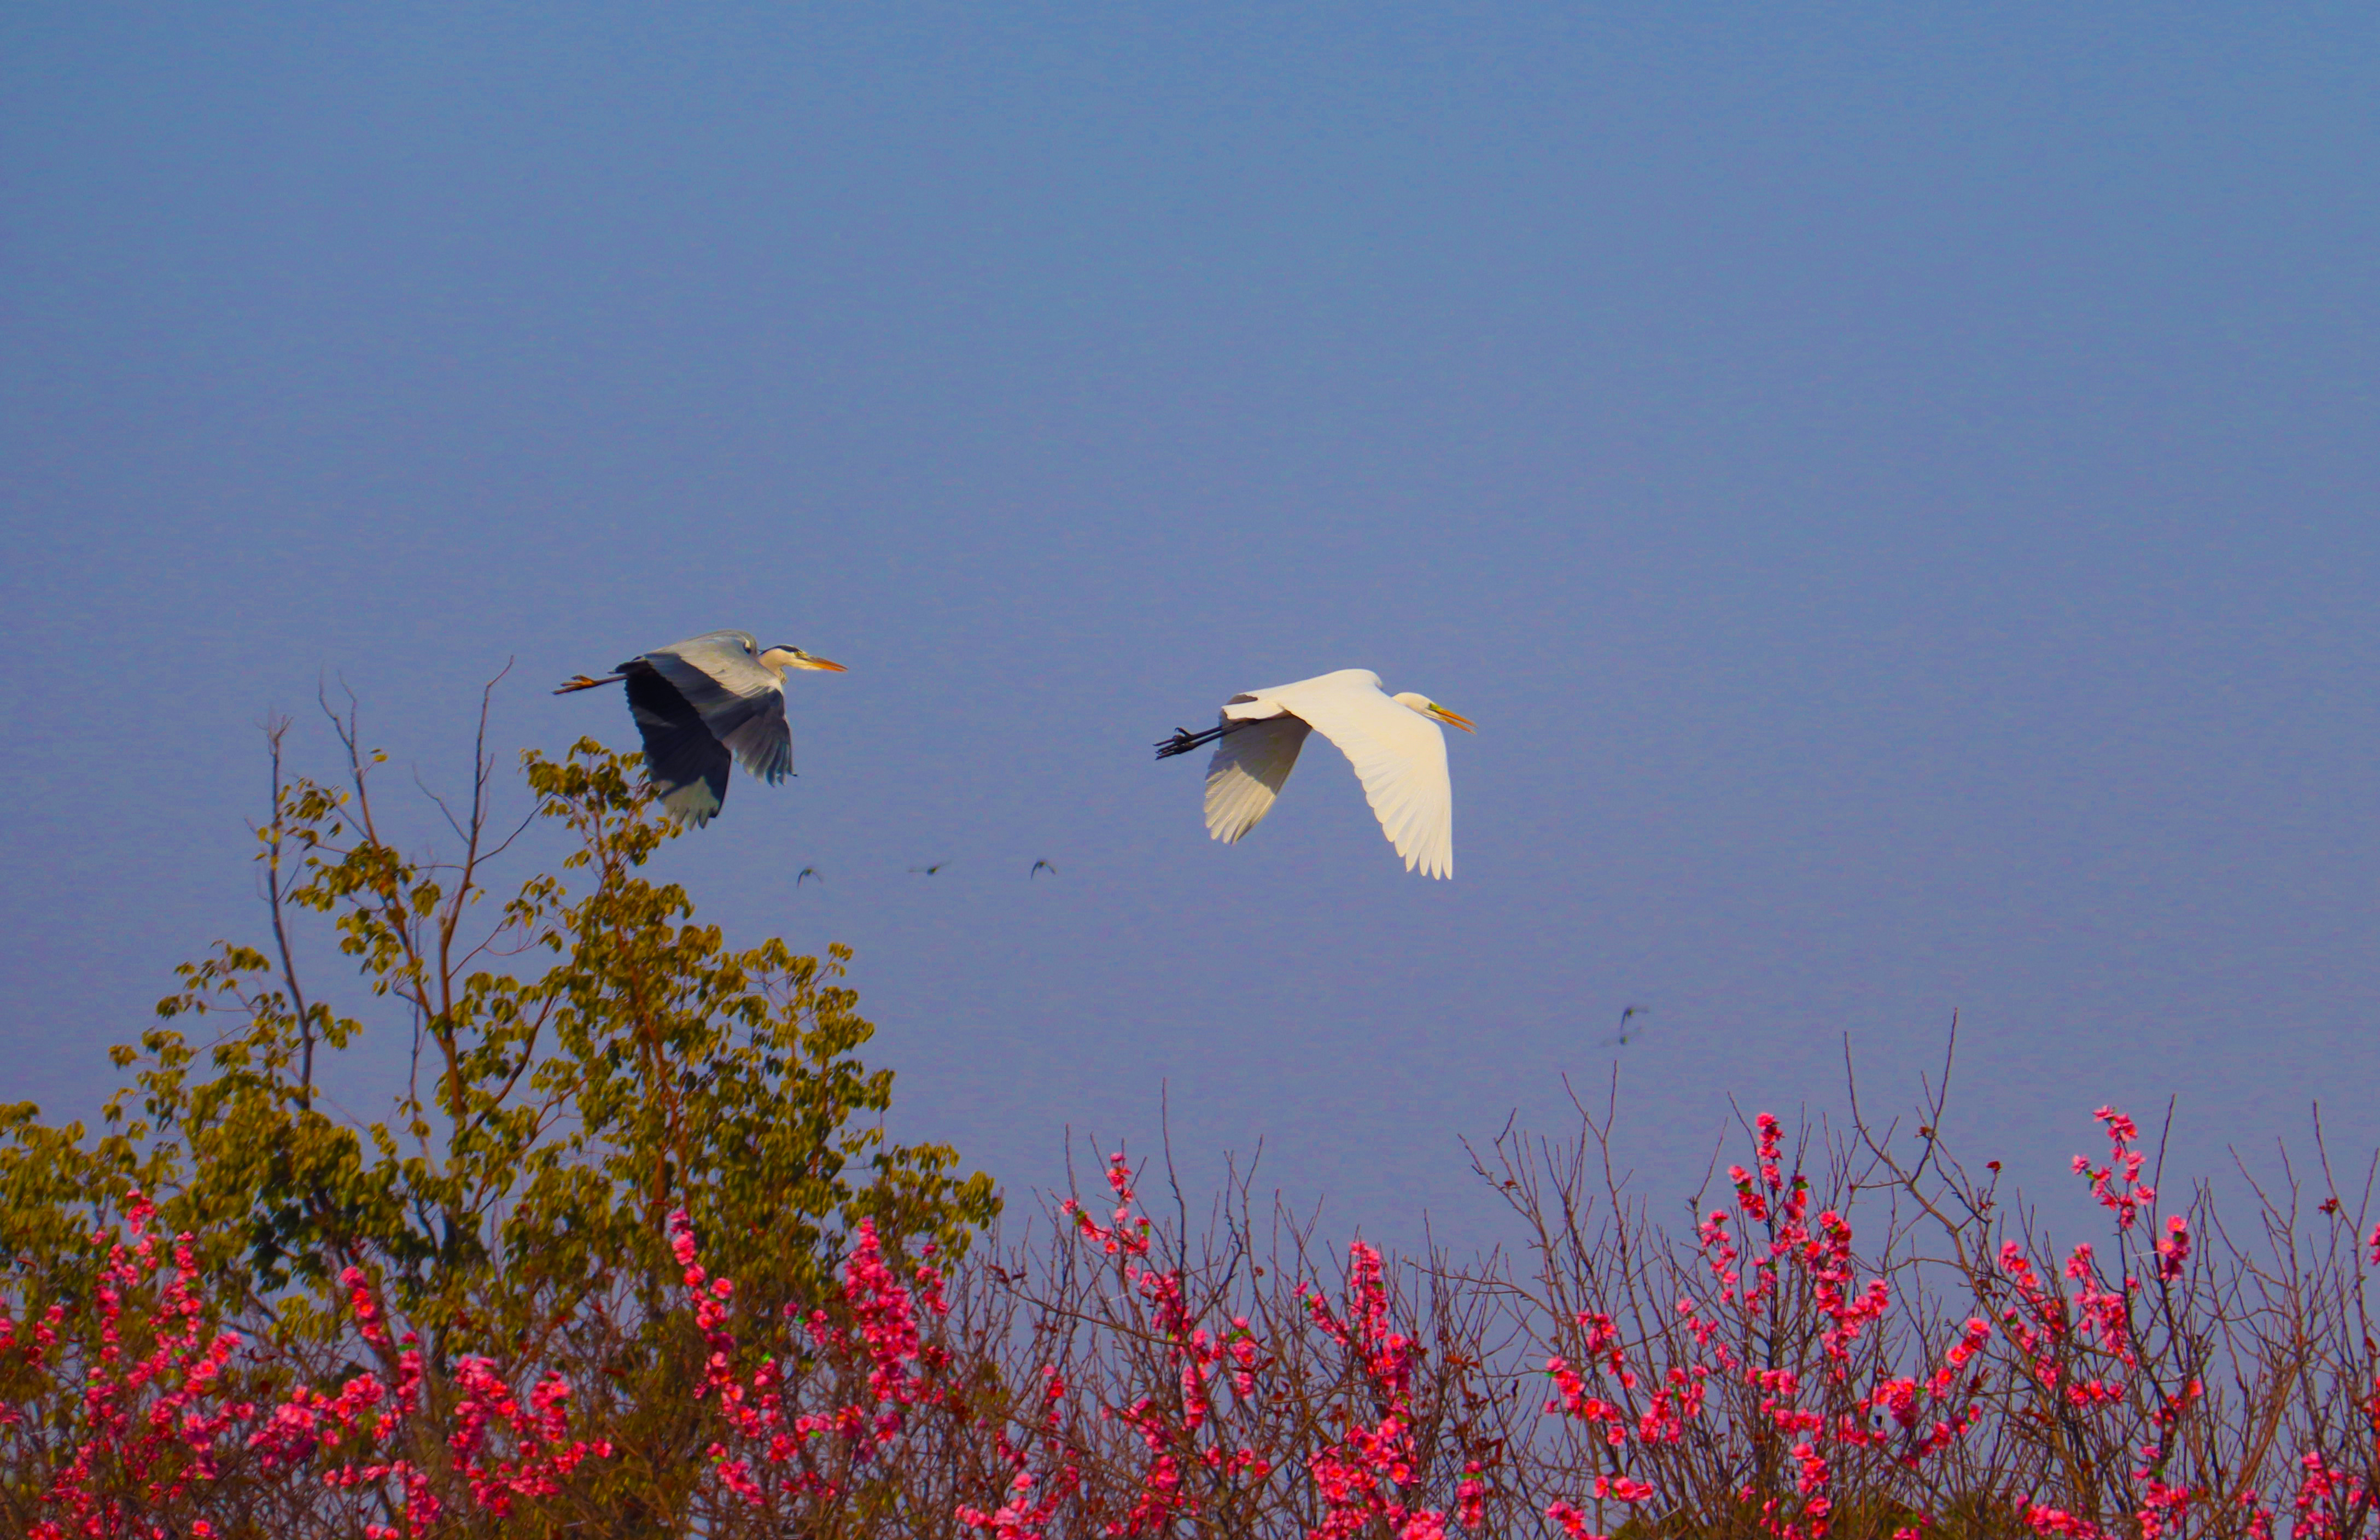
(1452,719)
(806,661)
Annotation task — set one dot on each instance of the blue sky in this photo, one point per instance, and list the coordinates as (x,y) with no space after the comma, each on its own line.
(1894,486)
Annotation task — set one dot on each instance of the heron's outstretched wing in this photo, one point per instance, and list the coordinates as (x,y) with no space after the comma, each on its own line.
(686,764)
(1399,755)
(1246,772)
(742,703)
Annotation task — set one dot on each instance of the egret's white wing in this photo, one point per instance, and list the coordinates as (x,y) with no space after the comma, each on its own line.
(1246,772)
(1399,755)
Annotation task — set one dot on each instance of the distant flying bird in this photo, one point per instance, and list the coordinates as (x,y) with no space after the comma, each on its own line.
(929,871)
(806,874)
(1392,741)
(1038,868)
(703,704)
(1625,1037)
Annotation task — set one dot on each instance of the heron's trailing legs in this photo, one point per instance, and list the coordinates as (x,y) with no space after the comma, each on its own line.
(582,682)
(1183,740)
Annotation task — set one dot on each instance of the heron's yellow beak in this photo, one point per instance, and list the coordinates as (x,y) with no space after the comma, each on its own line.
(1452,719)
(795,657)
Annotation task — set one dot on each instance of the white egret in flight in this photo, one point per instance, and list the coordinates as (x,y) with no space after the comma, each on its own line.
(1392,741)
(703,704)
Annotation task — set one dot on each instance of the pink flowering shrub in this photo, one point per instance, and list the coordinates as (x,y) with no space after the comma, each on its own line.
(1104,1387)
(1246,1392)
(1755,1376)
(1802,1363)
(122,1407)
(133,1412)
(1784,1373)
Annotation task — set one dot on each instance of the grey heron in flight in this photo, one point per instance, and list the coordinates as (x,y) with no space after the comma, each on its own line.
(702,704)
(1392,741)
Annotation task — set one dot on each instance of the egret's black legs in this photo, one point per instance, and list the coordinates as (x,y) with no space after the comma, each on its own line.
(1183,740)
